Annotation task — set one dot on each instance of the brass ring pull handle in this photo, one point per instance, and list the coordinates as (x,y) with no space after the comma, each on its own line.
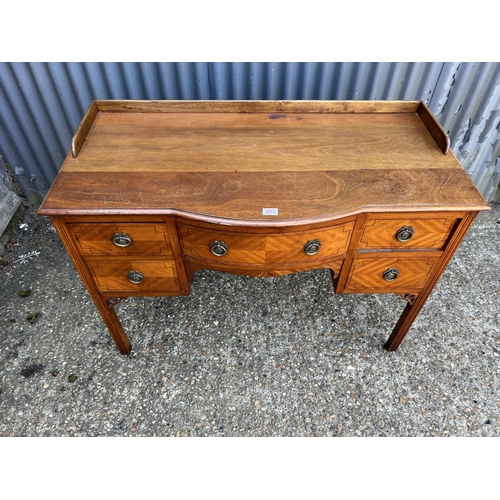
(405,233)
(390,274)
(219,248)
(135,277)
(122,240)
(312,247)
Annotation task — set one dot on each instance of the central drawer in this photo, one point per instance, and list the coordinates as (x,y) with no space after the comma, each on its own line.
(213,243)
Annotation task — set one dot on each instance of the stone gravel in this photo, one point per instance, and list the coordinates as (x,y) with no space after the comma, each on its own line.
(246,356)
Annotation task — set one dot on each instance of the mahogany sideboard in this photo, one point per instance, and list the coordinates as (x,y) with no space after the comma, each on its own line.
(153,191)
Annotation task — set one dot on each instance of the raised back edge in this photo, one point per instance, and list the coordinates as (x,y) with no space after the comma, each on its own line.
(215,106)
(434,127)
(83,129)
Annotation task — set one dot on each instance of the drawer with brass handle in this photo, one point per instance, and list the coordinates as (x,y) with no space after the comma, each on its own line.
(406,233)
(121,239)
(135,276)
(389,274)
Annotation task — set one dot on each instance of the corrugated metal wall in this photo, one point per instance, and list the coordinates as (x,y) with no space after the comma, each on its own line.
(41,104)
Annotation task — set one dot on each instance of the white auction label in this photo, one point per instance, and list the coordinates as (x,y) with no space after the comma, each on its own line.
(269,211)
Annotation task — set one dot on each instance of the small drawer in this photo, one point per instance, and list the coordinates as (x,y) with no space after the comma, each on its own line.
(401,233)
(135,275)
(224,246)
(121,239)
(389,274)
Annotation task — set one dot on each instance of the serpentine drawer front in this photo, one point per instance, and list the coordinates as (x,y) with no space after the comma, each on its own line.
(153,191)
(210,243)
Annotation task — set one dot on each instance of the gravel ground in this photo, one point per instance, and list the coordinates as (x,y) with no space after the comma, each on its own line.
(248,356)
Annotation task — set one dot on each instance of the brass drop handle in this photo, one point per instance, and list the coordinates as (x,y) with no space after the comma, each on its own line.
(122,240)
(219,248)
(135,277)
(312,247)
(405,233)
(390,274)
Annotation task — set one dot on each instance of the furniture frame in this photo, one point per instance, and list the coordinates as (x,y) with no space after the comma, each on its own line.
(153,191)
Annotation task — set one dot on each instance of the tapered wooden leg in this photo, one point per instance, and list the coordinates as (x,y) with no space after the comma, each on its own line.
(405,321)
(113,323)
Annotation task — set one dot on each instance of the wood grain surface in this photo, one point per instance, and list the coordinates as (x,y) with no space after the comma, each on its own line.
(228,161)
(237,197)
(250,142)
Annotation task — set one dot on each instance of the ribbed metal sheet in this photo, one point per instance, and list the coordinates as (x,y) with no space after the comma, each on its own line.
(328,81)
(469,110)
(41,104)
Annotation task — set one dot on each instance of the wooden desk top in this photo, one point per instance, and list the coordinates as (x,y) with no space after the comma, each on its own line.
(225,161)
